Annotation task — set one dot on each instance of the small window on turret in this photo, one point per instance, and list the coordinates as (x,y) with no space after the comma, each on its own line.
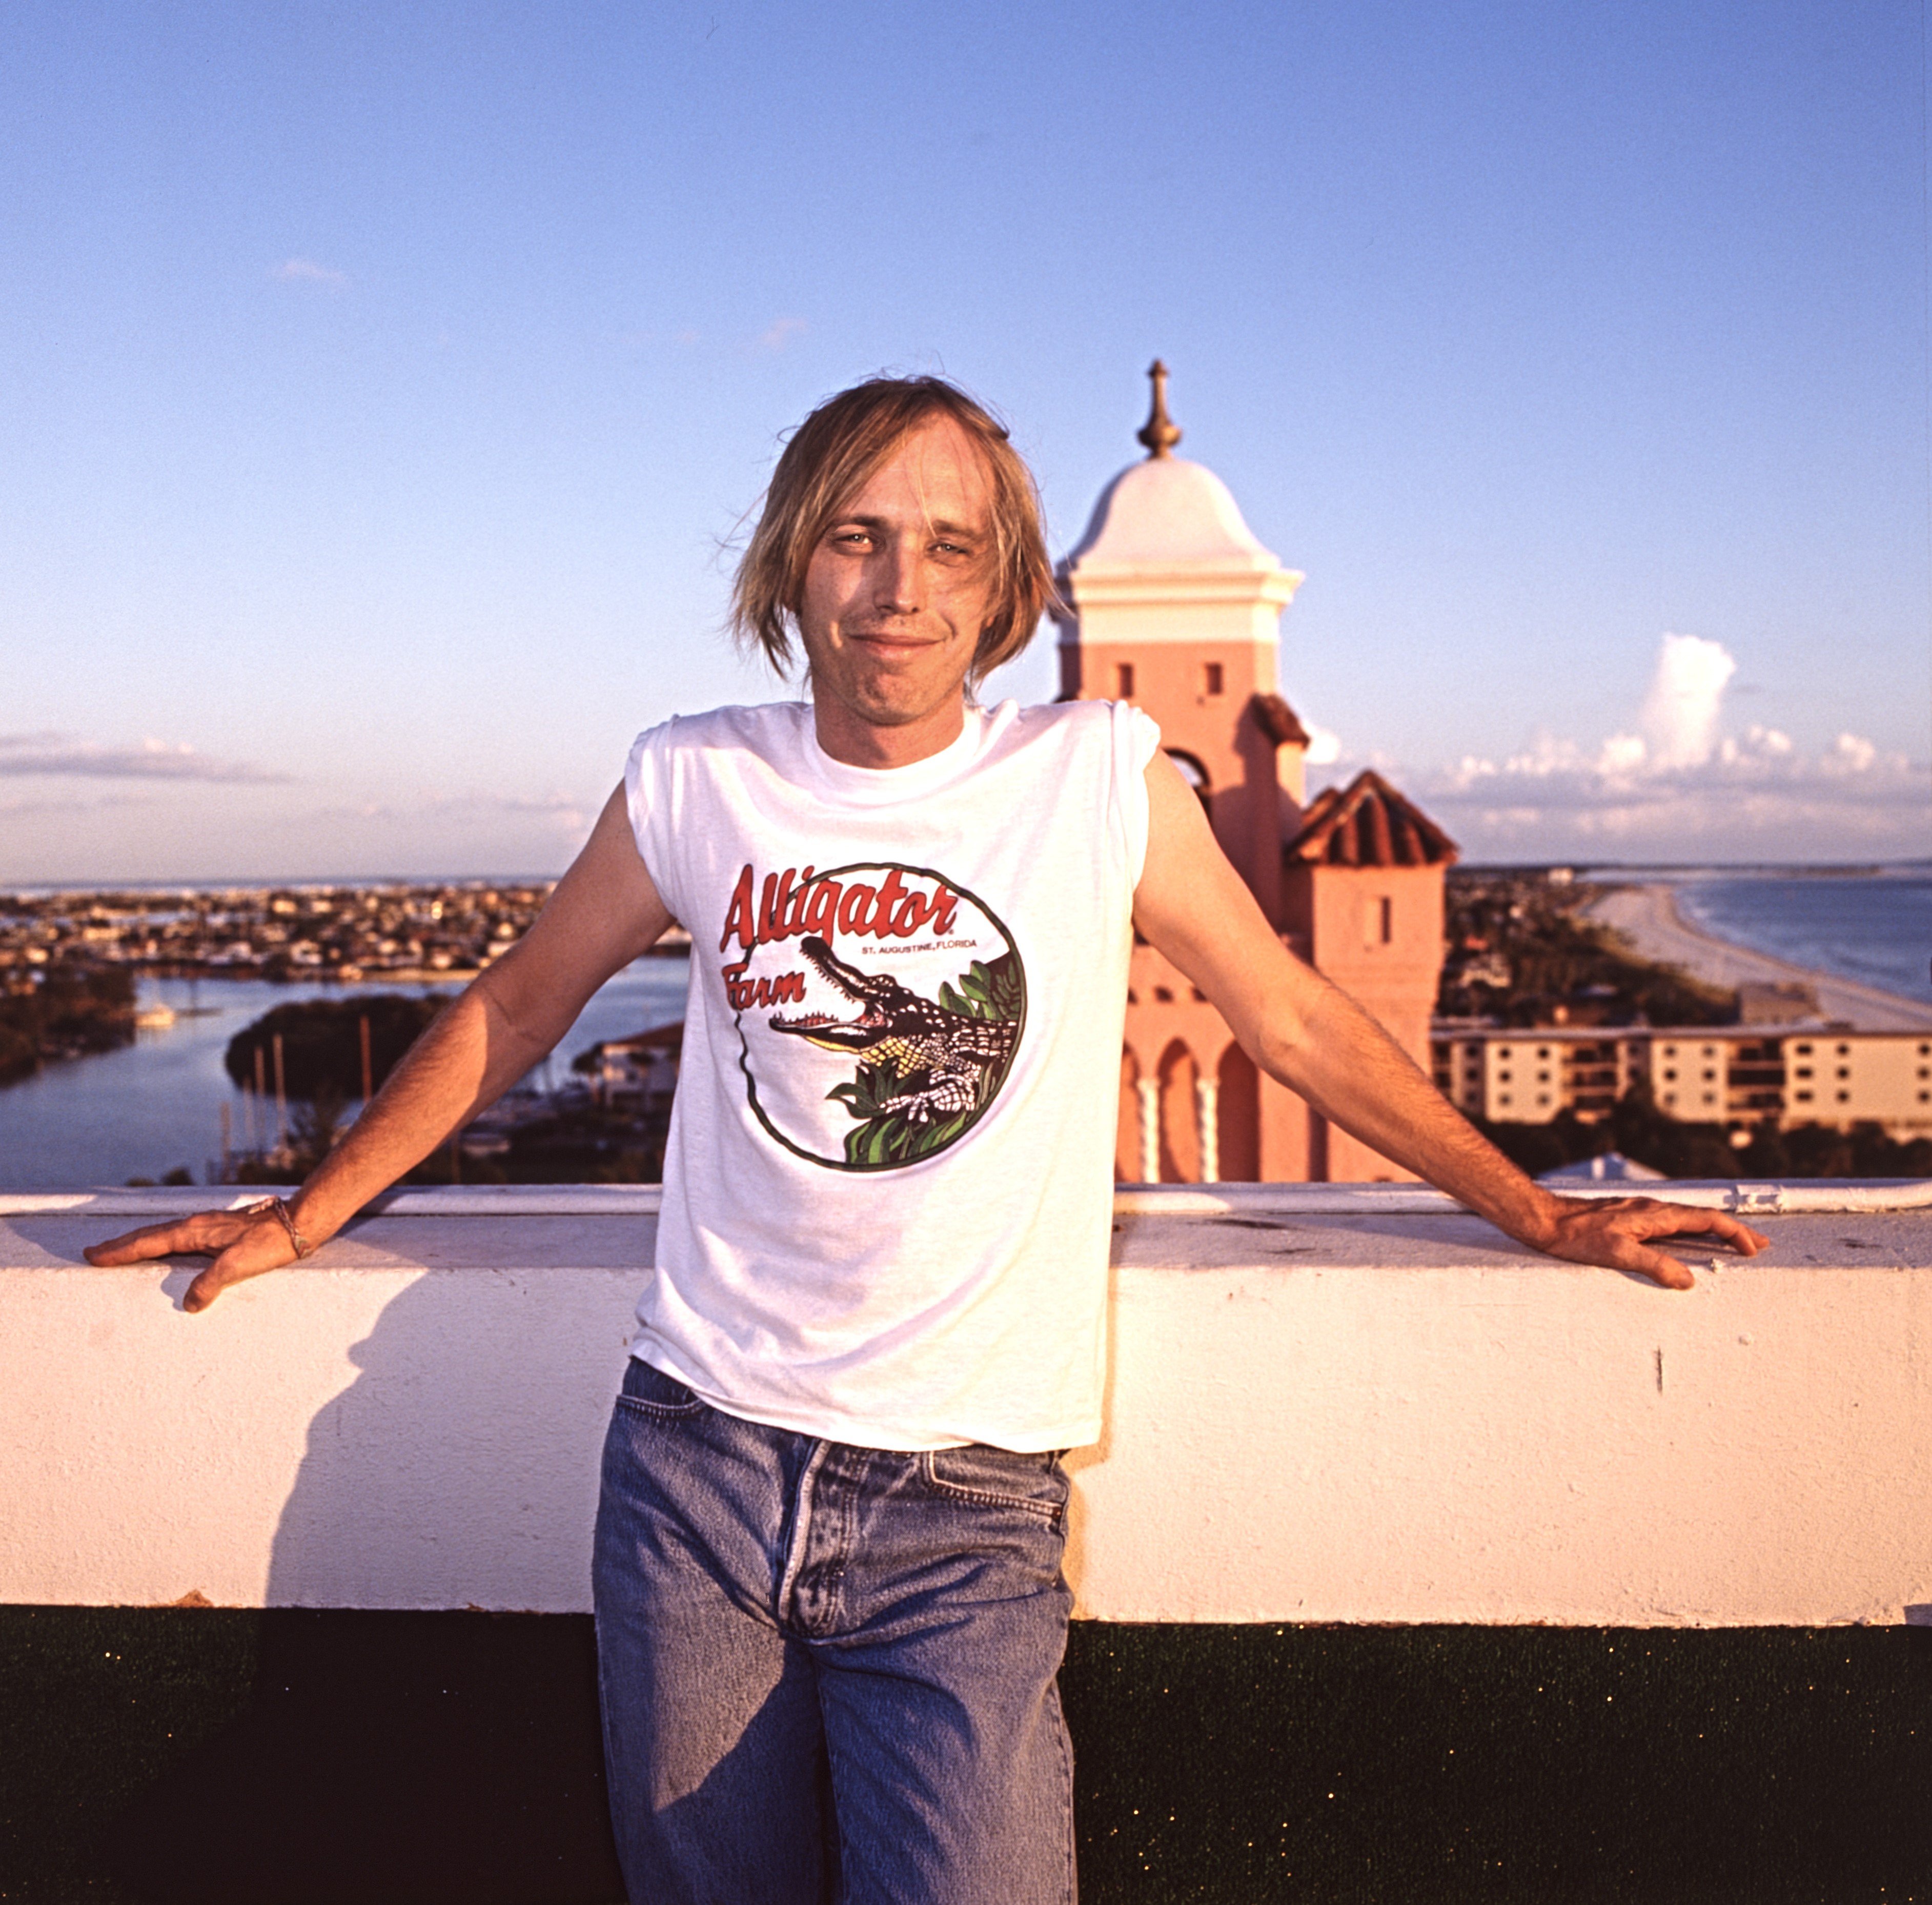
(1123,673)
(1213,673)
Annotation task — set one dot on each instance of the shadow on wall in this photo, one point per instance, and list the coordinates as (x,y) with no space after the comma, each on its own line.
(417,1757)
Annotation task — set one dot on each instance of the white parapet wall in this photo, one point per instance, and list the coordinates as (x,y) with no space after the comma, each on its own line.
(1352,1404)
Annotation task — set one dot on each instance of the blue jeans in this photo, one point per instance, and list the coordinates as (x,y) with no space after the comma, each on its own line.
(828,1672)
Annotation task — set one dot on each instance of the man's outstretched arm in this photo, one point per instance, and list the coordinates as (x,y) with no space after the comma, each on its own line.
(605,912)
(1313,1038)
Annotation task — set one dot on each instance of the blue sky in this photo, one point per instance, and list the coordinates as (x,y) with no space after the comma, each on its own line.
(381,387)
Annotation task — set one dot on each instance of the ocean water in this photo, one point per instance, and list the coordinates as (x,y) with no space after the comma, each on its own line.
(156,1104)
(1876,928)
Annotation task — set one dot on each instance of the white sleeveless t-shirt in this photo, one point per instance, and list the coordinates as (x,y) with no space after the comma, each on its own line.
(888,1183)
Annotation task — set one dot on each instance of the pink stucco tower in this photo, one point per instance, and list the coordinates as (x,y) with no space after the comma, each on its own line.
(1172,603)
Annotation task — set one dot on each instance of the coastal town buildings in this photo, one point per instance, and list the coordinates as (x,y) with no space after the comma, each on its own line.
(1173,604)
(638,1074)
(400,933)
(1737,1076)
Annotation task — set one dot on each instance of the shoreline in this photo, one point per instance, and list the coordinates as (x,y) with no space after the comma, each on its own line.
(1646,916)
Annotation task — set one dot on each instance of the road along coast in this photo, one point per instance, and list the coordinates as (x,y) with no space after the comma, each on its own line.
(1648,918)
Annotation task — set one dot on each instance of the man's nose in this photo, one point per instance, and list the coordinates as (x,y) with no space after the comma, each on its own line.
(898,579)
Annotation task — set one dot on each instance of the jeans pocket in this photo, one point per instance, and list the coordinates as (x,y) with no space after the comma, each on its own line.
(998,1478)
(649,1392)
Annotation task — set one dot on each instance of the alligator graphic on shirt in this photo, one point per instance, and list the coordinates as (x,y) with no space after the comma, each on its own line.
(941,1062)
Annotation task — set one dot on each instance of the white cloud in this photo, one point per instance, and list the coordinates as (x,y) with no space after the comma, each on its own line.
(306,270)
(558,814)
(1324,746)
(780,332)
(1763,743)
(1681,710)
(23,755)
(67,832)
(1621,754)
(1682,787)
(1851,754)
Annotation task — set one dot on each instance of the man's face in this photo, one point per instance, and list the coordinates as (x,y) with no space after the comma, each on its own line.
(896,596)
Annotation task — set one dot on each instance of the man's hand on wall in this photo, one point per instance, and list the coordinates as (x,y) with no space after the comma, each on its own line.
(1616,1234)
(244,1243)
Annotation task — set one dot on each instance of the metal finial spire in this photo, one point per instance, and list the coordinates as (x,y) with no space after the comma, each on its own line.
(1160,433)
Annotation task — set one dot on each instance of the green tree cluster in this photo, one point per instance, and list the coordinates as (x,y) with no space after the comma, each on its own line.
(322,1044)
(1557,957)
(75,1008)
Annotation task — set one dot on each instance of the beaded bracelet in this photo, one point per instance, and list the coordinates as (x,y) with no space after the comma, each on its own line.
(303,1247)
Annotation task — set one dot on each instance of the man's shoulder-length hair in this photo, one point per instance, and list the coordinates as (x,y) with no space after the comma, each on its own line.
(831,456)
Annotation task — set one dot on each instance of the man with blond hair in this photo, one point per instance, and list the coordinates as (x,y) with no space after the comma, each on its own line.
(830,1606)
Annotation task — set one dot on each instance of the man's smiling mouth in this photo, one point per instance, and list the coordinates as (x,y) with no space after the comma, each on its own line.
(882,638)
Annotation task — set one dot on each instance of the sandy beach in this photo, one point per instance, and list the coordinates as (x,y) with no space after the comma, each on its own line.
(1647,916)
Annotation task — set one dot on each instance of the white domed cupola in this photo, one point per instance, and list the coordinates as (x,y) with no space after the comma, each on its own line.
(1172,602)
(1167,557)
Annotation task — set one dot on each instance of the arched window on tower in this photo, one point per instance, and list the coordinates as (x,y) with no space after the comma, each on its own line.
(1238,1117)
(1179,1132)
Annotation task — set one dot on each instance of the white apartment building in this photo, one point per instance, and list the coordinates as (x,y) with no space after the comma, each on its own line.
(1703,1074)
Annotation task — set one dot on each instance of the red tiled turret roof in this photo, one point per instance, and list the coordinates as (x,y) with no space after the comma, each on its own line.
(1277,720)
(1369,823)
